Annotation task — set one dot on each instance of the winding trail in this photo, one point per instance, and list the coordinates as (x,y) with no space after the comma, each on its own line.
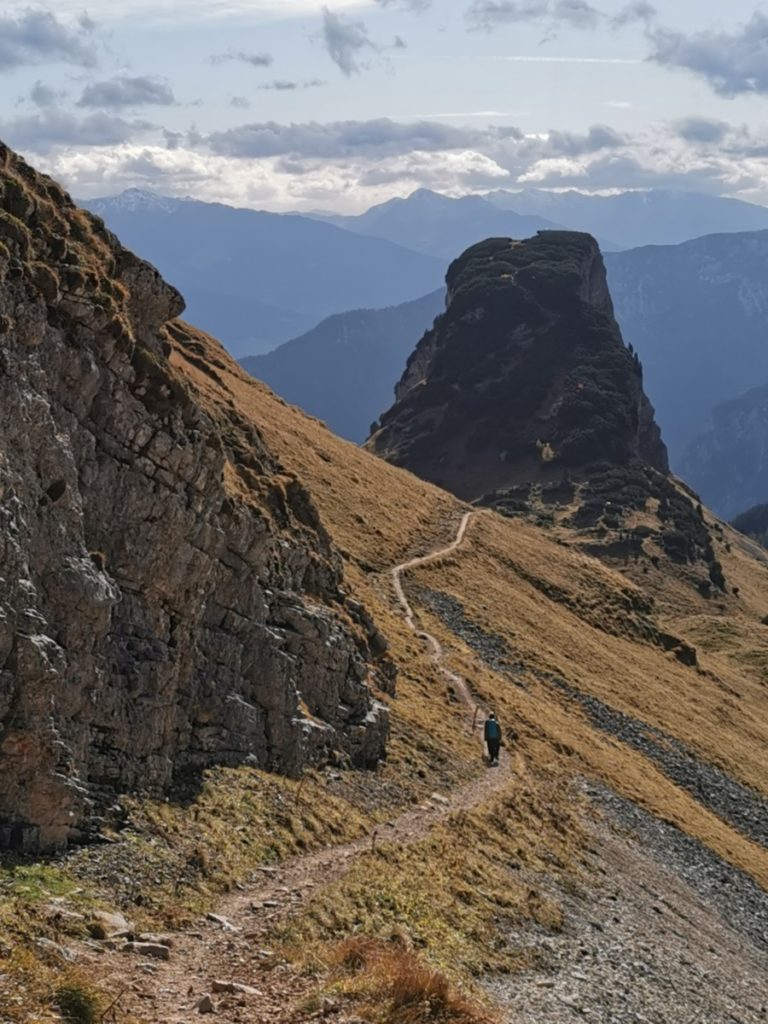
(436,650)
(229,947)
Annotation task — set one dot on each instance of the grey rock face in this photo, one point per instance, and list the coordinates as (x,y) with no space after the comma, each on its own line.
(168,596)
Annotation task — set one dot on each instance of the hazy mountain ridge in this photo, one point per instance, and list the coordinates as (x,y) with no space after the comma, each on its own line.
(637,218)
(343,370)
(440,225)
(256,278)
(698,315)
(728,465)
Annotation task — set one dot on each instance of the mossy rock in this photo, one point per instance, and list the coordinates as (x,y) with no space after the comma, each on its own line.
(15,232)
(46,281)
(16,200)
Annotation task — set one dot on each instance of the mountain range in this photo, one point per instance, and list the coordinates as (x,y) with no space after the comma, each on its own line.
(257,279)
(696,313)
(630,219)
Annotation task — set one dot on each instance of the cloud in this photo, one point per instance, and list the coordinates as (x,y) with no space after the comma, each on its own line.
(285,85)
(354,164)
(240,102)
(701,129)
(346,40)
(52,128)
(577,13)
(256,60)
(639,11)
(486,14)
(127,92)
(733,64)
(43,96)
(34,37)
(342,139)
(408,5)
(598,137)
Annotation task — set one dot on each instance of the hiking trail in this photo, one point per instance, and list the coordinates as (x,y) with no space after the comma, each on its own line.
(228,947)
(435,647)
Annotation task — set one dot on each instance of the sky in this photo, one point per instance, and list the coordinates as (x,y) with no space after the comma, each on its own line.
(296,105)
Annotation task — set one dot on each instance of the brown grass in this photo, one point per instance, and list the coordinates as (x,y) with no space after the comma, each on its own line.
(388,984)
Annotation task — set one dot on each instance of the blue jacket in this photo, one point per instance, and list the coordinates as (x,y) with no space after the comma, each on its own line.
(492,729)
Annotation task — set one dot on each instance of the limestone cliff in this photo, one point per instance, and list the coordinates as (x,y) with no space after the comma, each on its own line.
(524,376)
(169,597)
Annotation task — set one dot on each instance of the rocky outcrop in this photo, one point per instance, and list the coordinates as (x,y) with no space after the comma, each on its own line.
(524,377)
(524,397)
(169,597)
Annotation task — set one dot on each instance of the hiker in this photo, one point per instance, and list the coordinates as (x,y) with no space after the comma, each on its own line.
(492,738)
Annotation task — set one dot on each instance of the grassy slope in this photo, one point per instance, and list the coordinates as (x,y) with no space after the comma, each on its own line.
(557,609)
(378,515)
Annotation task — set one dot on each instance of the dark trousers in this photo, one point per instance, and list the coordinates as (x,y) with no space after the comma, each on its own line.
(493,749)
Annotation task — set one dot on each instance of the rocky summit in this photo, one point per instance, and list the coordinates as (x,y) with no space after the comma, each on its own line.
(170,597)
(524,378)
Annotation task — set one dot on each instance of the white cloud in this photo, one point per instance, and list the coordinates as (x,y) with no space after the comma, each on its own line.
(37,36)
(733,63)
(353,164)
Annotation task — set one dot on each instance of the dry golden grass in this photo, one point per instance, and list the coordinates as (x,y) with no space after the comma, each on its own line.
(389,984)
(455,892)
(557,609)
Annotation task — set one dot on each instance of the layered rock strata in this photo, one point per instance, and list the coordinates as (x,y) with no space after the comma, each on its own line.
(169,597)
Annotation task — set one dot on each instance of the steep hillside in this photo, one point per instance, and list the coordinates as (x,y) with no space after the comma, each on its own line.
(258,279)
(343,371)
(625,830)
(697,314)
(171,599)
(637,218)
(728,465)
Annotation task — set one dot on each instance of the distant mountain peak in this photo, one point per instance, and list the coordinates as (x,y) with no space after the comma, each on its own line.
(137,199)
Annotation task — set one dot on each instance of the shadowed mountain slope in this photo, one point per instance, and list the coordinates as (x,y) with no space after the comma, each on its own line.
(697,314)
(258,278)
(728,464)
(343,370)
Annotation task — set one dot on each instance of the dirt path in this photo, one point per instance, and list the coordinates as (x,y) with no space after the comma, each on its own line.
(457,682)
(228,947)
